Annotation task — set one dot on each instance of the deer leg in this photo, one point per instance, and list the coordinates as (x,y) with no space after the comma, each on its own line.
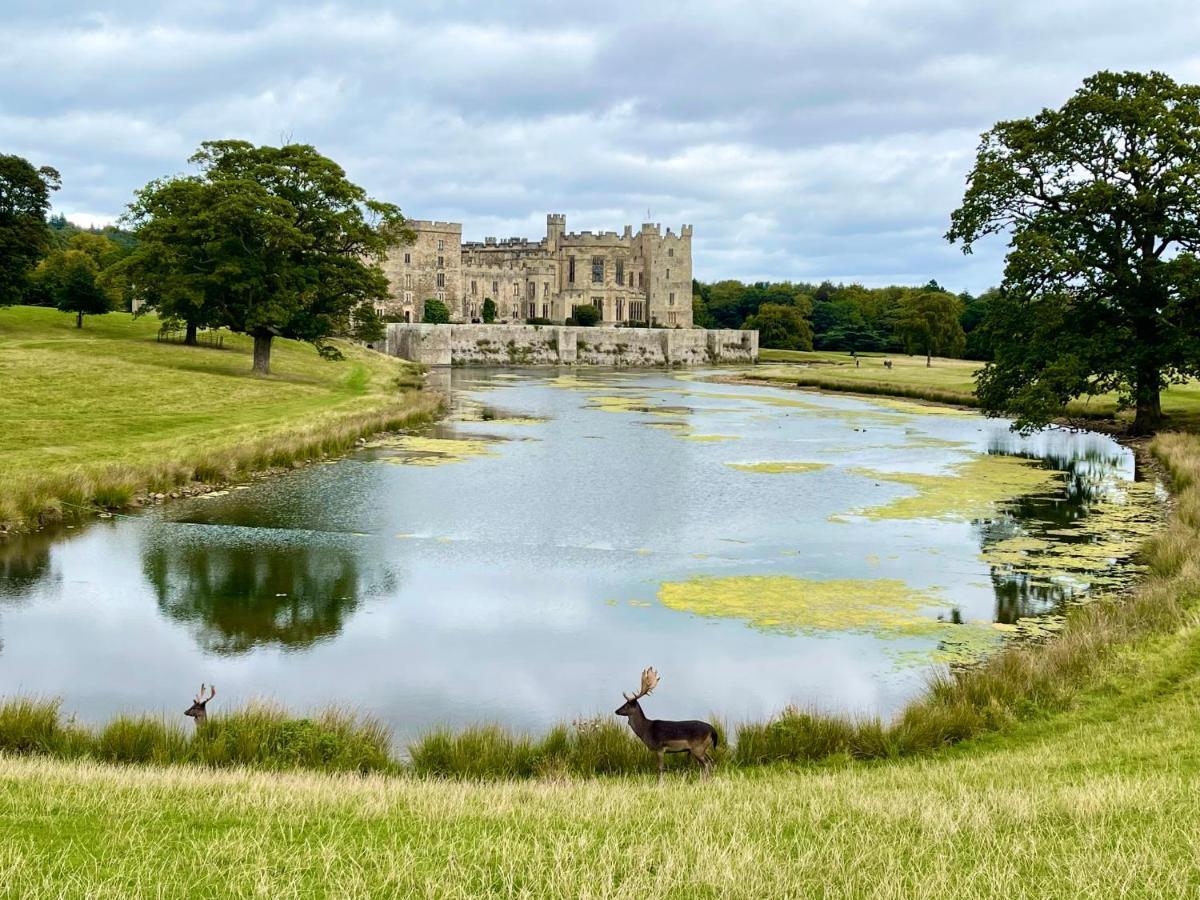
(698,756)
(662,758)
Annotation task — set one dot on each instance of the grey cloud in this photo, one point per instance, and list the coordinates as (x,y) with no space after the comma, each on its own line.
(803,140)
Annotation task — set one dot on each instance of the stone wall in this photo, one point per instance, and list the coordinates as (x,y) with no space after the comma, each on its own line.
(550,345)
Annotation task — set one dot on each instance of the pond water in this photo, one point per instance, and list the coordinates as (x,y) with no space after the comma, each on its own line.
(522,561)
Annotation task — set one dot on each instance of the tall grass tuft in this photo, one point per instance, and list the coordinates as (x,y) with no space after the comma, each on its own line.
(141,739)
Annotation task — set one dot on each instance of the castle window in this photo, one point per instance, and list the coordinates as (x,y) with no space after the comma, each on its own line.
(545,310)
(474,287)
(620,273)
(546,289)
(407,258)
(531,291)
(441,295)
(570,270)
(516,314)
(408,280)
(441,279)
(441,262)
(671,300)
(533,310)
(408,298)
(597,270)
(441,246)
(516,290)
(671,251)
(639,279)
(620,310)
(496,288)
(668,274)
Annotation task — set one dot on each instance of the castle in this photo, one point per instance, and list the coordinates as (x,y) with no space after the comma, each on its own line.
(629,278)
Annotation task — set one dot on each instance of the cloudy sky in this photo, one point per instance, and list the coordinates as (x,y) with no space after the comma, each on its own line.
(804,140)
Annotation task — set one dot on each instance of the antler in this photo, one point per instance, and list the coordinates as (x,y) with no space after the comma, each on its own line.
(649,683)
(200,698)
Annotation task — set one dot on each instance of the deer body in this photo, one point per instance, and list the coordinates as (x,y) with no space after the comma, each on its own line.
(664,736)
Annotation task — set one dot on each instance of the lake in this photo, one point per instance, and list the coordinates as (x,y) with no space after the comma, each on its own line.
(524,560)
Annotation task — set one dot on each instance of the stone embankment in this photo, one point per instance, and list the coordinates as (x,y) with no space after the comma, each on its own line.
(556,345)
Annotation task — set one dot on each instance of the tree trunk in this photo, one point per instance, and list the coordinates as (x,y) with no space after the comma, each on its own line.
(79,320)
(262,354)
(1148,416)
(189,337)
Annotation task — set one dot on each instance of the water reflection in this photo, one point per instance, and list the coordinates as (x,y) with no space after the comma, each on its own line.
(241,594)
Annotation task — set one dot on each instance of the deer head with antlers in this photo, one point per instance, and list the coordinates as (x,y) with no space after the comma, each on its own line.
(197,710)
(664,736)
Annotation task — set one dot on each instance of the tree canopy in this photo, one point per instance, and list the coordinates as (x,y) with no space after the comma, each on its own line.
(929,323)
(24,236)
(781,327)
(269,241)
(1101,201)
(69,279)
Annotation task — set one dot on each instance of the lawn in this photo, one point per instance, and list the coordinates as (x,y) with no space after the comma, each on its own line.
(946,381)
(99,413)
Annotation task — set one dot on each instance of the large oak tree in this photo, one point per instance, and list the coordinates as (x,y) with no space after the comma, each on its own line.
(269,241)
(1101,200)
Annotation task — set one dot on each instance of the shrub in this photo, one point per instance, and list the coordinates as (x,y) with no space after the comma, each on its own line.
(436,312)
(585,316)
(489,310)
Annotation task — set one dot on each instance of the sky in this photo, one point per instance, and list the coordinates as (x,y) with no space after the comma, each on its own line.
(804,141)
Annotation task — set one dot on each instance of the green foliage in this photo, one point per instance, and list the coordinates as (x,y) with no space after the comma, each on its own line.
(585,316)
(24,237)
(781,327)
(69,279)
(1102,201)
(929,323)
(489,310)
(366,324)
(269,241)
(436,312)
(701,317)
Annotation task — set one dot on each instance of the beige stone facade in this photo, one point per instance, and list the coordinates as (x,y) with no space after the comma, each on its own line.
(622,275)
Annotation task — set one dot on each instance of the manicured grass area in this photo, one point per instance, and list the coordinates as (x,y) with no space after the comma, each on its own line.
(946,381)
(91,416)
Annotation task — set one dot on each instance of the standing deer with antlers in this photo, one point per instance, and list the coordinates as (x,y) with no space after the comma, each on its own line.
(197,710)
(662,736)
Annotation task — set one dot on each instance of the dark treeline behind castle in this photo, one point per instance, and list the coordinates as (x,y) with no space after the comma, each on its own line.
(849,317)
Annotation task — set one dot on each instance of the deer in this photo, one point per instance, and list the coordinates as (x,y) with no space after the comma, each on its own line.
(197,710)
(663,736)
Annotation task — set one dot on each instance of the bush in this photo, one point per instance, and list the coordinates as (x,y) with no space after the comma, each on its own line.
(489,310)
(585,316)
(436,312)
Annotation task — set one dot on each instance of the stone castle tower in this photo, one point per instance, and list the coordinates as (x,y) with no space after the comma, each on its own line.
(628,276)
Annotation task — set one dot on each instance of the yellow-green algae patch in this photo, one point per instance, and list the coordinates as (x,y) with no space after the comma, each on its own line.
(1098,550)
(709,437)
(778,467)
(971,490)
(417,450)
(913,407)
(883,607)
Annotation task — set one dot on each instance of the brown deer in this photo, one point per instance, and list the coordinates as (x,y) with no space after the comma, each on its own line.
(197,710)
(662,736)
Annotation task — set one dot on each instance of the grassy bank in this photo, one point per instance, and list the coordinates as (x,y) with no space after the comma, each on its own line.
(1099,802)
(946,381)
(93,417)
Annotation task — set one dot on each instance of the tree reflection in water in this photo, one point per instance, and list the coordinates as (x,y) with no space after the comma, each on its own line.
(250,594)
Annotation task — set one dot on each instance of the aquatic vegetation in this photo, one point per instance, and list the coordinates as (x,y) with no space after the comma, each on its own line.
(920,409)
(883,607)
(418,450)
(709,437)
(778,467)
(972,490)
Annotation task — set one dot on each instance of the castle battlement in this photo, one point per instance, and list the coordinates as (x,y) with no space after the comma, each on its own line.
(630,276)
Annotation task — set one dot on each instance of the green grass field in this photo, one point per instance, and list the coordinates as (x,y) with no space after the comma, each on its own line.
(946,381)
(91,416)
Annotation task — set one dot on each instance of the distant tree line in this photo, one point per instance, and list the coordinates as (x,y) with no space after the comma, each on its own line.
(789,315)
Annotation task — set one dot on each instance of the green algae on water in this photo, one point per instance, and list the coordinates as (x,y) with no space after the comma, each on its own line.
(883,607)
(972,490)
(778,467)
(418,450)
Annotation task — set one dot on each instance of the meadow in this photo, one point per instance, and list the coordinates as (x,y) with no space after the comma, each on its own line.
(90,418)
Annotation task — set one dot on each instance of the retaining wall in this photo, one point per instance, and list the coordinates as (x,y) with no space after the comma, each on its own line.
(557,345)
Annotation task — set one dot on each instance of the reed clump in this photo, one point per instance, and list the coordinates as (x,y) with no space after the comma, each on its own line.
(258,736)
